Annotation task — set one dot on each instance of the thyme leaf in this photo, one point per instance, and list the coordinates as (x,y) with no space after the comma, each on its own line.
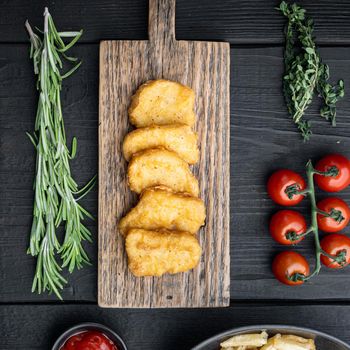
(305,72)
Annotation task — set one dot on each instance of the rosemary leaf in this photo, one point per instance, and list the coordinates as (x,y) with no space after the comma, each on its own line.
(54,186)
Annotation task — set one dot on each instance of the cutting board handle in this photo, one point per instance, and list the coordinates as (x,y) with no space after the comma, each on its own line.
(161,21)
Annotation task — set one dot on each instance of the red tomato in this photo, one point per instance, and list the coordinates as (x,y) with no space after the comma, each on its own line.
(90,340)
(333,183)
(339,209)
(279,181)
(287,264)
(335,244)
(287,222)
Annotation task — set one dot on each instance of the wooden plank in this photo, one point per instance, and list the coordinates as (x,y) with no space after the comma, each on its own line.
(124,66)
(29,327)
(238,22)
(262,139)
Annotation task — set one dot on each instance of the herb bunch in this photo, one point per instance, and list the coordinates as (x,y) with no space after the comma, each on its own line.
(305,72)
(57,195)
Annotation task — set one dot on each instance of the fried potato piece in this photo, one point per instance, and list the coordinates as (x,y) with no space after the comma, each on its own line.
(178,138)
(298,341)
(289,342)
(160,208)
(157,166)
(154,253)
(243,347)
(247,340)
(159,102)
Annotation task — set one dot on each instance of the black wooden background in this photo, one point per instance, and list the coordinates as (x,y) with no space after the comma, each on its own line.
(262,139)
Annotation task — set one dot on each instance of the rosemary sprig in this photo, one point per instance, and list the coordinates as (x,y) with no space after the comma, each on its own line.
(55,189)
(304,71)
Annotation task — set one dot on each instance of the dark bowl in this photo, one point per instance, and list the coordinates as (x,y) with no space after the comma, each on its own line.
(89,327)
(323,341)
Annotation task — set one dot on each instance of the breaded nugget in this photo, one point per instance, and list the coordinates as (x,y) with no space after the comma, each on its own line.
(153,253)
(160,102)
(160,208)
(158,166)
(178,138)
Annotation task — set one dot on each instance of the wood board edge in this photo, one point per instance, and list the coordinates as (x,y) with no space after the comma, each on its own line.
(106,302)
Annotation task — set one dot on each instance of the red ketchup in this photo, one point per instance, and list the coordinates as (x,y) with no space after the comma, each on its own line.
(89,340)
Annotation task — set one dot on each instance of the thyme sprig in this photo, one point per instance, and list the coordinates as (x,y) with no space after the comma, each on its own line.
(56,192)
(305,72)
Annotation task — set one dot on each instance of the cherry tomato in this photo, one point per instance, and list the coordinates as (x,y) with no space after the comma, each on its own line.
(287,264)
(90,340)
(279,181)
(335,244)
(333,183)
(287,223)
(338,208)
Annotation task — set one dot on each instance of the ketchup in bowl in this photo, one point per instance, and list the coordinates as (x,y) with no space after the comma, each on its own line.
(89,340)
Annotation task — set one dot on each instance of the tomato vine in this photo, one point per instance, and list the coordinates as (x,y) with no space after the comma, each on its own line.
(334,250)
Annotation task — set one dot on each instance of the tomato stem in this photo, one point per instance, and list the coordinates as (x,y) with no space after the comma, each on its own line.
(304,192)
(334,214)
(293,236)
(332,171)
(293,190)
(310,171)
(295,277)
(323,213)
(340,258)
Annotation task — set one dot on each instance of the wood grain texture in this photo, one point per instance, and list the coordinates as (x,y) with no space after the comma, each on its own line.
(234,21)
(36,327)
(262,139)
(204,66)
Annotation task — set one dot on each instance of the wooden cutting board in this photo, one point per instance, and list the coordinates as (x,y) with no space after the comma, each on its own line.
(205,67)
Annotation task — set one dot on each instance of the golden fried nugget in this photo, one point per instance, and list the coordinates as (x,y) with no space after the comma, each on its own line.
(160,102)
(178,138)
(153,253)
(157,166)
(160,208)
